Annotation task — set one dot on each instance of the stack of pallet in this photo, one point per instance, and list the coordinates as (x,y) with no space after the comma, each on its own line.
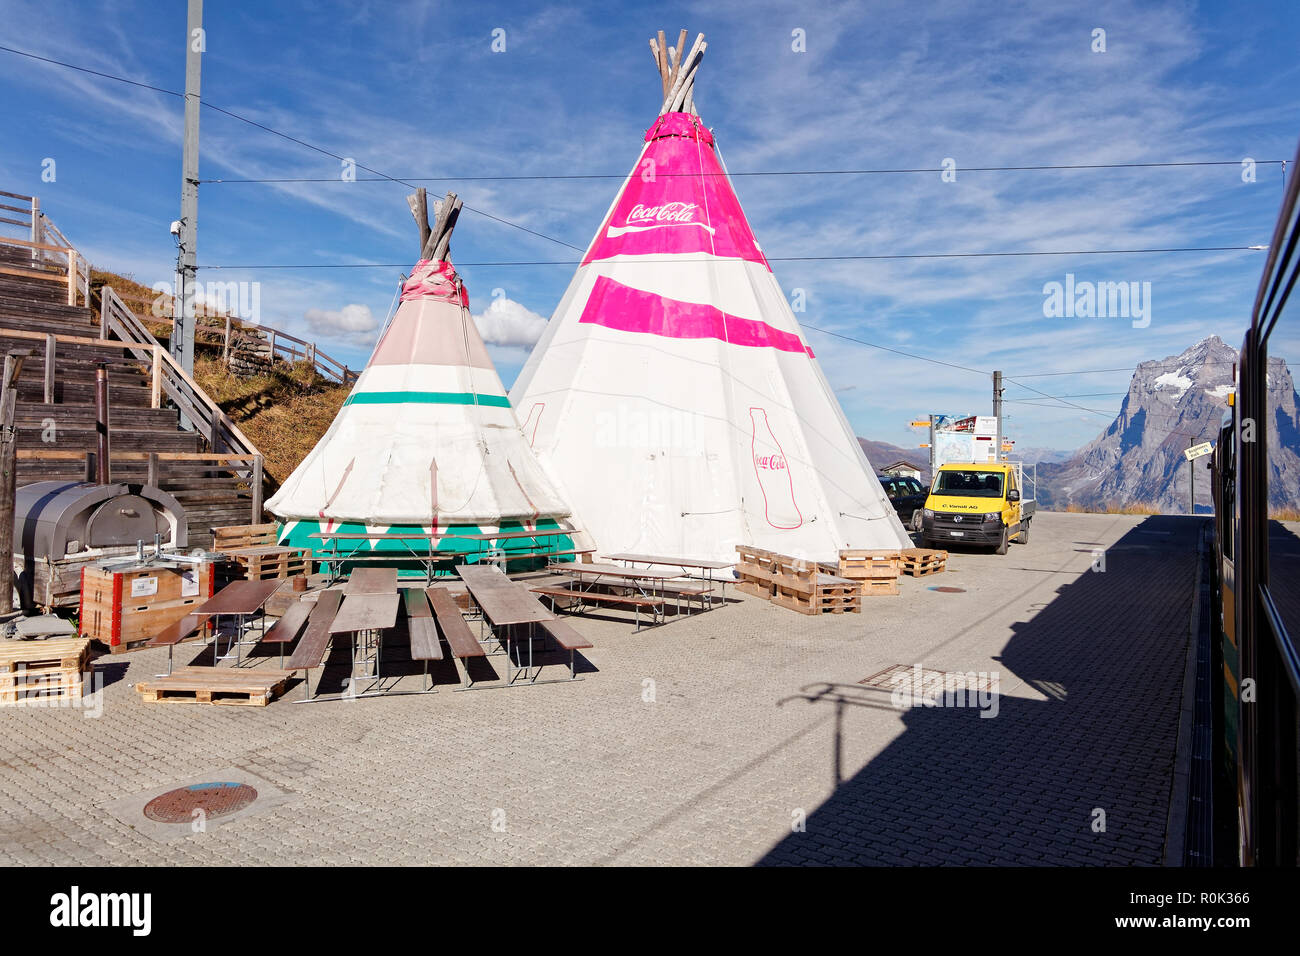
(252,549)
(875,571)
(755,569)
(43,672)
(920,562)
(794,583)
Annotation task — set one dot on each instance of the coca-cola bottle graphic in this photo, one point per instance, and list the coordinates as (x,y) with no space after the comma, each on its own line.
(773,472)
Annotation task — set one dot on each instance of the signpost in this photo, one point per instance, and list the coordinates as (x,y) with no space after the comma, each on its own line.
(1192,453)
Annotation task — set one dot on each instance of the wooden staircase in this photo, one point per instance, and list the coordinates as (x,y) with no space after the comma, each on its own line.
(55,414)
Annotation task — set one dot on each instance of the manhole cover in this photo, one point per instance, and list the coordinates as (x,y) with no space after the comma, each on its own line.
(918,677)
(947,590)
(214,799)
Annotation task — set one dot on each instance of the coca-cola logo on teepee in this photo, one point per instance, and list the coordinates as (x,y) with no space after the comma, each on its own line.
(642,217)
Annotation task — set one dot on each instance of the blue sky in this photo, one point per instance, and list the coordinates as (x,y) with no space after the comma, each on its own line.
(416,90)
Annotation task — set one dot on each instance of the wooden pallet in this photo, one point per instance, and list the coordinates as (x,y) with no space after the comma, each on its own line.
(243,536)
(755,569)
(823,598)
(876,571)
(43,670)
(215,685)
(796,584)
(920,562)
(266,562)
(878,587)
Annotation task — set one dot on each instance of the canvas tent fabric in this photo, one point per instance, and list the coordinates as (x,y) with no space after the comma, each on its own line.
(673,396)
(427,440)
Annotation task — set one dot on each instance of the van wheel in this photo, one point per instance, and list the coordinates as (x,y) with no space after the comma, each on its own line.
(1002,544)
(1024,533)
(916,520)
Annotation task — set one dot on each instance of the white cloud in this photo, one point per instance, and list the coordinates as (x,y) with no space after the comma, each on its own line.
(354,324)
(506,322)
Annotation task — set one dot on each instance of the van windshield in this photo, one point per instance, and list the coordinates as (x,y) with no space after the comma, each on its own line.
(970,484)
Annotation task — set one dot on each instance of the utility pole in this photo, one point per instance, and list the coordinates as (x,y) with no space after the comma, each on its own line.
(13,368)
(997,414)
(183,308)
(1191,476)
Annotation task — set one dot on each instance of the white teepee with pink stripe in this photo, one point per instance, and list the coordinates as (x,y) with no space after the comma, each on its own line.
(673,396)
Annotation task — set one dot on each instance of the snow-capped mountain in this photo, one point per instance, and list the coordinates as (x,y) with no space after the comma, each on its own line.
(1171,403)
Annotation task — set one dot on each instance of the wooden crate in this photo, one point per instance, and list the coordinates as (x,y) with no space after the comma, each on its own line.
(215,685)
(124,607)
(920,562)
(44,671)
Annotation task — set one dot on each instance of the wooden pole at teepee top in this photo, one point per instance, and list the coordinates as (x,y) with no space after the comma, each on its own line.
(683,76)
(419,203)
(443,248)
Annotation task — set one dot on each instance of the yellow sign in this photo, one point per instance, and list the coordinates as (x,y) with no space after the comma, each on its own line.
(924,445)
(924,424)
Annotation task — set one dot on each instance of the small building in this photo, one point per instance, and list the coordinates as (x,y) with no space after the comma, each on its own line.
(903,469)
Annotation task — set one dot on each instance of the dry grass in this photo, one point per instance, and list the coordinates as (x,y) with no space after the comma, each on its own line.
(283,413)
(1112,508)
(286,431)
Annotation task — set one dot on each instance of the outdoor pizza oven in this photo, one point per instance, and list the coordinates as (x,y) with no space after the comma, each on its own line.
(53,519)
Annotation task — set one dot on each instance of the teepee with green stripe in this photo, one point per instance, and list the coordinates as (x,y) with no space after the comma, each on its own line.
(428,438)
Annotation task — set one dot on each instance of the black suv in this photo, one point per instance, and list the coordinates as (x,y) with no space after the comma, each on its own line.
(907,495)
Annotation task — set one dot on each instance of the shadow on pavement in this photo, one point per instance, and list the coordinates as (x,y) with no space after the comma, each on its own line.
(1035,783)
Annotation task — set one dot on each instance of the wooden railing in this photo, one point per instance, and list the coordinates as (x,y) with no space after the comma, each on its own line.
(168,377)
(245,468)
(232,333)
(49,255)
(281,345)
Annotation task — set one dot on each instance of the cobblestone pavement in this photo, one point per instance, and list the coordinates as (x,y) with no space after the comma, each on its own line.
(754,721)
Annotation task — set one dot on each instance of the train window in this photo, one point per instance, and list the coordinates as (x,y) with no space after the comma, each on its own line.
(1282,437)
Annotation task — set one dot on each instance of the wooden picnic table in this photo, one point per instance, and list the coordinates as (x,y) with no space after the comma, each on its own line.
(502,601)
(686,564)
(237,599)
(365,616)
(505,604)
(672,562)
(336,558)
(371,581)
(428,558)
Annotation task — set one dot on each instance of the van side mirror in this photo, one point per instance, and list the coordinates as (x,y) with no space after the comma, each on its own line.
(1013,495)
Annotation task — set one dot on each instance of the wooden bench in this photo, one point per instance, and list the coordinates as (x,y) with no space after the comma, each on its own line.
(636,601)
(687,591)
(546,554)
(423,632)
(285,631)
(173,634)
(563,633)
(311,649)
(460,638)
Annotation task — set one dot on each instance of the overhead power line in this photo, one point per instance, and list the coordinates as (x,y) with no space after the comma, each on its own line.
(380,176)
(558,177)
(840,258)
